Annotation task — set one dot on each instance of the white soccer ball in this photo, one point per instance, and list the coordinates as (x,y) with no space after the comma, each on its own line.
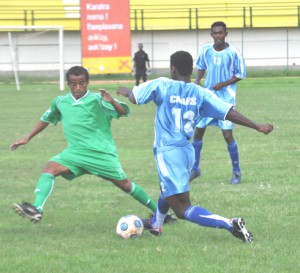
(130,226)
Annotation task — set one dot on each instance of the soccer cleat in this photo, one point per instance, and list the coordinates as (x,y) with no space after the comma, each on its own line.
(169,219)
(29,211)
(152,230)
(239,230)
(236,178)
(194,174)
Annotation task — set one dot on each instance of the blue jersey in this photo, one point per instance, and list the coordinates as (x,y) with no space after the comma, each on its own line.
(180,106)
(221,66)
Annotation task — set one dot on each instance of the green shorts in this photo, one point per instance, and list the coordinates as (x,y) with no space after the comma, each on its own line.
(81,162)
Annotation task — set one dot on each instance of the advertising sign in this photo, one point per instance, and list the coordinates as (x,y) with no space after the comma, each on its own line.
(105,36)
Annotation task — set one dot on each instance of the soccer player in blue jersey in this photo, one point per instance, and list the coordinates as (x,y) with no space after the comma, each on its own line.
(180,106)
(86,118)
(224,66)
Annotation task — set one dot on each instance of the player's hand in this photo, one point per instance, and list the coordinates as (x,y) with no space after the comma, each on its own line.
(218,86)
(265,128)
(123,91)
(18,143)
(106,96)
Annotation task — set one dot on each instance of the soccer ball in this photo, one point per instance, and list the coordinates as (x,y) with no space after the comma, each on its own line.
(130,226)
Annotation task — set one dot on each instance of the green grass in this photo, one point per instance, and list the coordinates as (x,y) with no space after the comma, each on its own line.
(77,233)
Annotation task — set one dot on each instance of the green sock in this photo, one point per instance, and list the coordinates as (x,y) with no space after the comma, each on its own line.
(43,190)
(140,195)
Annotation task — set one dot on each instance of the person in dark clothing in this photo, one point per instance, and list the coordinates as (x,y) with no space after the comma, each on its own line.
(141,64)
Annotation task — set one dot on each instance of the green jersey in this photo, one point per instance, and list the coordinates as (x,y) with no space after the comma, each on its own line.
(86,121)
(87,129)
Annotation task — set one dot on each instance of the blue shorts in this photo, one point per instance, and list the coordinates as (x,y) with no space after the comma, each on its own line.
(222,124)
(173,167)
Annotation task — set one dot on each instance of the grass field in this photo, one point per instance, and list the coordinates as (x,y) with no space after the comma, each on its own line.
(77,233)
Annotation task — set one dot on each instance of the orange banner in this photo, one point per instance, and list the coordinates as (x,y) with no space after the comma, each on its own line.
(105,36)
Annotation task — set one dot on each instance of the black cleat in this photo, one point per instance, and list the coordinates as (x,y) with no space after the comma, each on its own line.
(194,175)
(236,178)
(29,211)
(153,231)
(169,219)
(240,231)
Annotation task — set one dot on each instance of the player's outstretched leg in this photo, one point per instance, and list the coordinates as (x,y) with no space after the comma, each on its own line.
(29,211)
(205,218)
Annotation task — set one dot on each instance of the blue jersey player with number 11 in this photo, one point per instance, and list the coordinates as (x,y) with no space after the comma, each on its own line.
(180,106)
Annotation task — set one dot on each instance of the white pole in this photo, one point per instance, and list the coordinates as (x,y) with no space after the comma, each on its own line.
(61,59)
(13,60)
(61,51)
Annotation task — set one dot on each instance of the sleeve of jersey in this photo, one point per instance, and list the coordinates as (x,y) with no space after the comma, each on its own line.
(150,91)
(52,115)
(214,107)
(110,110)
(239,66)
(201,61)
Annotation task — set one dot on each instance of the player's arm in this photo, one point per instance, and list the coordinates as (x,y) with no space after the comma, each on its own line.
(238,118)
(133,67)
(40,126)
(148,63)
(200,75)
(218,86)
(134,64)
(148,66)
(120,109)
(127,93)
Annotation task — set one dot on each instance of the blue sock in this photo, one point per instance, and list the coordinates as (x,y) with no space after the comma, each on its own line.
(234,155)
(160,213)
(197,144)
(205,218)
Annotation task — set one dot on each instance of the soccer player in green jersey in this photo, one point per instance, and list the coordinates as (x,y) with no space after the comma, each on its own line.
(86,119)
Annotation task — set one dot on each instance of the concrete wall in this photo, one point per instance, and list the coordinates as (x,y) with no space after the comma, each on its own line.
(37,51)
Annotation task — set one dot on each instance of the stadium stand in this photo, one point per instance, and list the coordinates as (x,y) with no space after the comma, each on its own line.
(40,13)
(159,14)
(200,14)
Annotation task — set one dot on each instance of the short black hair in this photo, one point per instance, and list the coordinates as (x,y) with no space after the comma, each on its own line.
(183,61)
(77,71)
(219,24)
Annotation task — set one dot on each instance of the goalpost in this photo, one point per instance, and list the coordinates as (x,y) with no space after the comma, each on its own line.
(13,49)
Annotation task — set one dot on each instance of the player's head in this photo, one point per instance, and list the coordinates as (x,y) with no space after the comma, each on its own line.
(182,61)
(140,46)
(78,80)
(219,32)
(77,71)
(219,24)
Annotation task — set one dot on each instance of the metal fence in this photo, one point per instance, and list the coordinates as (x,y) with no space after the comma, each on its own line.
(39,51)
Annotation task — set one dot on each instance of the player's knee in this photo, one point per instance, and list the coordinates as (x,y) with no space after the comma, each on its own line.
(55,169)
(124,185)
